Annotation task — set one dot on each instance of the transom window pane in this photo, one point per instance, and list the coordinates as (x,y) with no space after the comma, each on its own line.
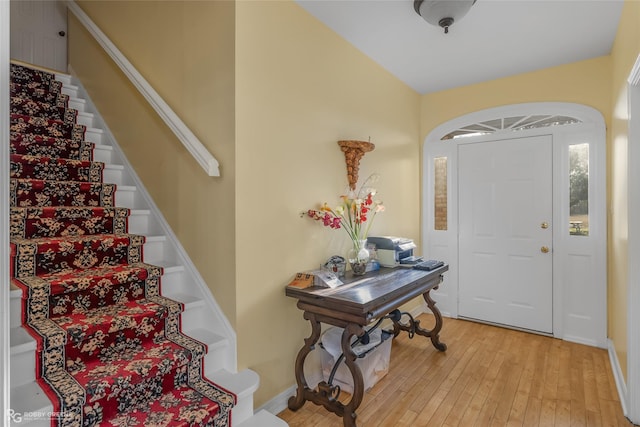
(514,123)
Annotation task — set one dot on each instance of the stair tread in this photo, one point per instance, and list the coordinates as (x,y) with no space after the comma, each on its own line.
(263,418)
(242,384)
(56,221)
(38,192)
(205,336)
(180,405)
(75,280)
(47,159)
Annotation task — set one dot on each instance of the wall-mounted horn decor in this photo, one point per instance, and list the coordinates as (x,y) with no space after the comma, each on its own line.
(353,152)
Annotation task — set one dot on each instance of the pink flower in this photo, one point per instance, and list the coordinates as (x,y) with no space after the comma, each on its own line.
(351,213)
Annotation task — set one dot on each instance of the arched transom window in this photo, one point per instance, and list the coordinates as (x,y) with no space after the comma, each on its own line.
(515,123)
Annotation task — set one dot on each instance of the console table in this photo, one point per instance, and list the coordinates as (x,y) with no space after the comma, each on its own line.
(357,303)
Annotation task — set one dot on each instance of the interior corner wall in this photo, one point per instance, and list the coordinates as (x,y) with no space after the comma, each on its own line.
(299,89)
(185,50)
(624,54)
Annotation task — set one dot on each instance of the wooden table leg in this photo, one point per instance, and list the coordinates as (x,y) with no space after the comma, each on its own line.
(434,333)
(327,394)
(413,326)
(349,415)
(296,402)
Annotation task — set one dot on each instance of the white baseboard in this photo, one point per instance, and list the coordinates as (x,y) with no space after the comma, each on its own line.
(279,402)
(618,377)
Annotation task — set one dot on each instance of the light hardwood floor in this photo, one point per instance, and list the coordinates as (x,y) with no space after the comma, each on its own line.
(488,376)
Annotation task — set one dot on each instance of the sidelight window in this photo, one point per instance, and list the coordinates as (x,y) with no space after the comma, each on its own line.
(579,189)
(440,193)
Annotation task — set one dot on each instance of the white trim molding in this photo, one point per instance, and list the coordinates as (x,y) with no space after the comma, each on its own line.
(585,323)
(632,390)
(617,376)
(4,214)
(199,152)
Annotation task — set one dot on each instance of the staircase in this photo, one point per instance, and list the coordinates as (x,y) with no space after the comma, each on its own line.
(95,338)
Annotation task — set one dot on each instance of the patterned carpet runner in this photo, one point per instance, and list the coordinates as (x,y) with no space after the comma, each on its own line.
(109,347)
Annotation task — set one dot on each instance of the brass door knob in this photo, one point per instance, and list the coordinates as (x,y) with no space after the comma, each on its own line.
(544,225)
(544,249)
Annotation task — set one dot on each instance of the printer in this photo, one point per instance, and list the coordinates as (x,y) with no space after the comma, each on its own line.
(393,251)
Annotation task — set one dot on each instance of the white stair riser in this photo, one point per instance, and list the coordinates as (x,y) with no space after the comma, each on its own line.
(173,282)
(15,307)
(113,176)
(93,135)
(216,357)
(72,91)
(154,252)
(85,119)
(77,104)
(243,410)
(126,198)
(139,224)
(103,154)
(65,79)
(23,367)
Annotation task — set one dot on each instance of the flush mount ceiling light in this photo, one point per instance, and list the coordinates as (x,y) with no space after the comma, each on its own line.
(442,13)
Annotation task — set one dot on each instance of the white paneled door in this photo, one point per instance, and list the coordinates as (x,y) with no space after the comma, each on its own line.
(38,33)
(505,232)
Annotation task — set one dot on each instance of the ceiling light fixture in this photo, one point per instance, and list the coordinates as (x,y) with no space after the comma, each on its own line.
(442,13)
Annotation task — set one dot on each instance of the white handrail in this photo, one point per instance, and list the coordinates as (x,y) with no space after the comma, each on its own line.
(184,134)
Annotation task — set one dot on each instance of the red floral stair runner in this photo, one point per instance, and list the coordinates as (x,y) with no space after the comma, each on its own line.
(109,347)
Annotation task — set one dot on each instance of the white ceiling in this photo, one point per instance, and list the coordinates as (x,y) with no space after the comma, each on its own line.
(497,38)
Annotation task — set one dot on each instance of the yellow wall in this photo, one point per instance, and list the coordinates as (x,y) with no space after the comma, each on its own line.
(299,89)
(585,82)
(624,54)
(186,51)
(272,116)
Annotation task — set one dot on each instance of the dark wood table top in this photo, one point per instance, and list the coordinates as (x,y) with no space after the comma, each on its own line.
(370,296)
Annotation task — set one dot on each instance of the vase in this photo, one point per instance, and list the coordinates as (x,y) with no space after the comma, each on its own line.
(358,257)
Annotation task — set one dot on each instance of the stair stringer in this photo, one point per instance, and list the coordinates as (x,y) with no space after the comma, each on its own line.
(210,314)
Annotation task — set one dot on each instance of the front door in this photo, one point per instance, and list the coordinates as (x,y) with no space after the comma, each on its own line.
(38,33)
(505,232)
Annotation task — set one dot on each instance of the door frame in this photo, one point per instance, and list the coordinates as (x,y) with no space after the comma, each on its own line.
(568,323)
(631,393)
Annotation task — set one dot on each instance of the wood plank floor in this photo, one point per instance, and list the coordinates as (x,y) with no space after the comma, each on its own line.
(488,376)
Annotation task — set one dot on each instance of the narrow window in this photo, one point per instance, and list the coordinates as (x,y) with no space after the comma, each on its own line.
(440,193)
(579,189)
